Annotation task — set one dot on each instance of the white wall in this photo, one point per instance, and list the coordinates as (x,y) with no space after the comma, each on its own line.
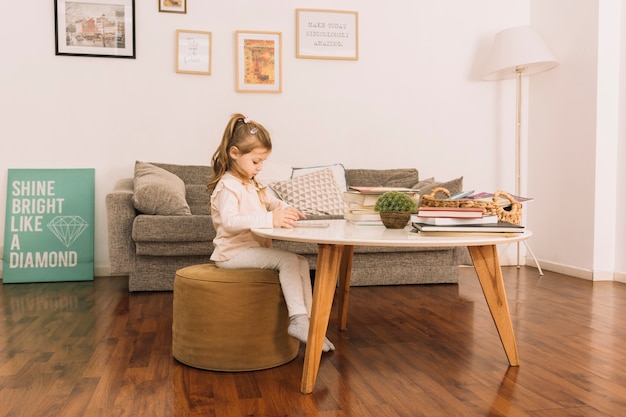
(620,247)
(605,229)
(573,141)
(413,99)
(562,135)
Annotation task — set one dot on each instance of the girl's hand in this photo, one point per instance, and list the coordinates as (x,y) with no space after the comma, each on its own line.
(286,217)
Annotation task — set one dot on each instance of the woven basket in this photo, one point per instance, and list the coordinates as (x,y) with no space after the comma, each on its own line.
(511,213)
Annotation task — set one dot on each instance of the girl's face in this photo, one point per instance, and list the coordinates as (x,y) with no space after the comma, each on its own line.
(248,165)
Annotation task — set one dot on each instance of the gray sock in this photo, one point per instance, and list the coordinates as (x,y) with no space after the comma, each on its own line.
(299,329)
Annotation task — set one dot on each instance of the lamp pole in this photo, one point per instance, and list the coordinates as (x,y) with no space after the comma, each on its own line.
(519,73)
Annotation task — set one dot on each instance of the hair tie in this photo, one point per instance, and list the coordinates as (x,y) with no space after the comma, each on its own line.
(247,120)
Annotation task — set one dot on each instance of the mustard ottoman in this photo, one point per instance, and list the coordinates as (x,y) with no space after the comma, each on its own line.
(230,319)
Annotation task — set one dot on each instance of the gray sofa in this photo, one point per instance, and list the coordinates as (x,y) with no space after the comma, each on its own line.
(149,243)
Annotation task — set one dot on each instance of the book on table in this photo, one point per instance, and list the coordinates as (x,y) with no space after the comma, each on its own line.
(367,196)
(363,215)
(461,195)
(380,190)
(502,201)
(414,233)
(359,207)
(452,221)
(451,212)
(356,199)
(499,227)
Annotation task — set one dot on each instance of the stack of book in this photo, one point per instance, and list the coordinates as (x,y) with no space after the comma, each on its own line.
(459,220)
(361,202)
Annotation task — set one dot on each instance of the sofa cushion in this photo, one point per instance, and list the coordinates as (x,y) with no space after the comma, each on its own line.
(422,184)
(401,177)
(190,174)
(454,186)
(158,191)
(313,193)
(198,198)
(149,228)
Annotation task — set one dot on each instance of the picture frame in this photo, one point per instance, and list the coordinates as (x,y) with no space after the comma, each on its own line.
(327,34)
(193,52)
(173,6)
(259,62)
(95,28)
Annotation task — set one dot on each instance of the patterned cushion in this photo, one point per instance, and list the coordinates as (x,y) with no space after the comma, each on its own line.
(313,193)
(339,172)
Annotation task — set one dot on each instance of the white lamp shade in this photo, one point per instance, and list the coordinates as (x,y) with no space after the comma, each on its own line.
(518,47)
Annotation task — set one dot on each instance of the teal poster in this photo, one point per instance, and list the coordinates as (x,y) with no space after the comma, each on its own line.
(49,228)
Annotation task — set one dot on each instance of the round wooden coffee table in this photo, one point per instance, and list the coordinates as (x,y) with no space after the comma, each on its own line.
(335,249)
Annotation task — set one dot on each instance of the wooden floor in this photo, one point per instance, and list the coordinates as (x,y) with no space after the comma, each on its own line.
(92,349)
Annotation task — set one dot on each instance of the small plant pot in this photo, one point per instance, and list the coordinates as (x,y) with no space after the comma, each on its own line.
(395,219)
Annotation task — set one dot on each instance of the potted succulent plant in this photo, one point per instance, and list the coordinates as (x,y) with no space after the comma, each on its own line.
(395,209)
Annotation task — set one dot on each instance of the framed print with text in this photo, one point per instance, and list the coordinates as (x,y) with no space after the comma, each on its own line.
(259,62)
(193,52)
(327,34)
(98,28)
(173,6)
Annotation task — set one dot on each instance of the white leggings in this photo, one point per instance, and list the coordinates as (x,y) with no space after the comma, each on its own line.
(293,273)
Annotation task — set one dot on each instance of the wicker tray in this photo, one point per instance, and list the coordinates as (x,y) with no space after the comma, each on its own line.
(511,213)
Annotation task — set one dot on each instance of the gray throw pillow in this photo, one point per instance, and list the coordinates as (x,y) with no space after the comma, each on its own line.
(454,186)
(158,191)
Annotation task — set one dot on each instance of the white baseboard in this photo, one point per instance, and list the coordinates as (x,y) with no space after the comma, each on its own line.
(102,270)
(619,277)
(563,269)
(603,275)
(587,274)
(508,257)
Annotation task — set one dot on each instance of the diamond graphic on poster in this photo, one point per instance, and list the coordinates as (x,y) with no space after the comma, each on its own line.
(67,228)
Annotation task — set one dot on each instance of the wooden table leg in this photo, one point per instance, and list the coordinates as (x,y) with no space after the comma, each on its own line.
(345,272)
(487,265)
(327,270)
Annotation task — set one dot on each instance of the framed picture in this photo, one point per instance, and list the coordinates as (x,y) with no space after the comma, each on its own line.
(173,6)
(99,28)
(193,52)
(327,34)
(259,62)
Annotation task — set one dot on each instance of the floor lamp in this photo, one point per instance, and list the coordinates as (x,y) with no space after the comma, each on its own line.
(517,52)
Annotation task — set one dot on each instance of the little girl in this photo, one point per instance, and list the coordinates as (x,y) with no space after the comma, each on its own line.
(240,203)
